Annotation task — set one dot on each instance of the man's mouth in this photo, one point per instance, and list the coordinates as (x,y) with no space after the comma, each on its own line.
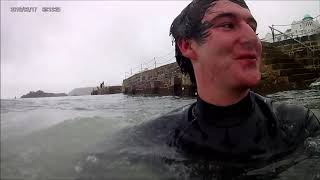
(252,57)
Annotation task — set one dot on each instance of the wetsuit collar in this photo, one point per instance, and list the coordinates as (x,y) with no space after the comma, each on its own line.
(223,116)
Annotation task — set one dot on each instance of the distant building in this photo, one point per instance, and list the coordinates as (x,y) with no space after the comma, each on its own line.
(305,27)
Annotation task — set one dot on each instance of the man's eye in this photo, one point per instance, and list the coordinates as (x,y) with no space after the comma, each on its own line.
(227,25)
(254,28)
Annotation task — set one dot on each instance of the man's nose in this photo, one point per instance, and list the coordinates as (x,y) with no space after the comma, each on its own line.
(248,37)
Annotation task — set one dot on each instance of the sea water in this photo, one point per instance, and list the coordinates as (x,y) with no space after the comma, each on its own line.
(53,138)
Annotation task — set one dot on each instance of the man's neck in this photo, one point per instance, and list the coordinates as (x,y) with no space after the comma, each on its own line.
(222,97)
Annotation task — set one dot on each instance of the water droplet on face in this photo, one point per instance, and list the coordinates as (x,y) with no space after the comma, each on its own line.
(313,144)
(92,159)
(78,168)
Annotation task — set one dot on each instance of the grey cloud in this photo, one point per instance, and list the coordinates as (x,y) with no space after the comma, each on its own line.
(93,41)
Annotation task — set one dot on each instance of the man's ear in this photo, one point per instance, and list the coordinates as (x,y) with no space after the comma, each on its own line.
(187,49)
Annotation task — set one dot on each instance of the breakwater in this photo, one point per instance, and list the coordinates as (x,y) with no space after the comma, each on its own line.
(164,80)
(107,90)
(286,65)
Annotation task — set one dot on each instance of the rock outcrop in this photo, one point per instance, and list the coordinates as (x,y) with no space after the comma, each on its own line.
(40,93)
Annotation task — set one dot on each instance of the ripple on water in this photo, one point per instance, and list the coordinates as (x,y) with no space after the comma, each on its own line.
(82,122)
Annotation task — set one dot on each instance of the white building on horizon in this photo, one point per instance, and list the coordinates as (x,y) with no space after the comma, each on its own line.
(305,27)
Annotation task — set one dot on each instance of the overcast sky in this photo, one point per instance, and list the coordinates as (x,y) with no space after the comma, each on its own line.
(90,42)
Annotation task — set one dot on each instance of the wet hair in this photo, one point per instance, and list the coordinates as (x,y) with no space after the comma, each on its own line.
(188,25)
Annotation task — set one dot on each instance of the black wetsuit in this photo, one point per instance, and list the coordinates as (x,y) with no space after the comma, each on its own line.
(256,128)
(202,141)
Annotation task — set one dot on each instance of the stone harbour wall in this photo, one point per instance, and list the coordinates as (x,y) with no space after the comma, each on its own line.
(164,80)
(309,57)
(286,65)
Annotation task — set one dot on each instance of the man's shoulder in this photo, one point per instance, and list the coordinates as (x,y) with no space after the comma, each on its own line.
(161,128)
(290,116)
(169,120)
(281,109)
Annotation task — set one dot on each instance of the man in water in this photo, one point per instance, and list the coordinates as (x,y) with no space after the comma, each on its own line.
(229,125)
(217,45)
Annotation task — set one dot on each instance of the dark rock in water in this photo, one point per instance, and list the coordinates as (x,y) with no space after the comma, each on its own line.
(40,93)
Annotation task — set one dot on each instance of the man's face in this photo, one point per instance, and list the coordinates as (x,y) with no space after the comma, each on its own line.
(230,56)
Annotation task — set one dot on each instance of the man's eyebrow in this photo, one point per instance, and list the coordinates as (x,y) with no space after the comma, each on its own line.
(223,15)
(232,16)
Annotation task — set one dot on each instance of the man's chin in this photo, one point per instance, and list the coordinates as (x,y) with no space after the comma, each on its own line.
(254,83)
(251,82)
